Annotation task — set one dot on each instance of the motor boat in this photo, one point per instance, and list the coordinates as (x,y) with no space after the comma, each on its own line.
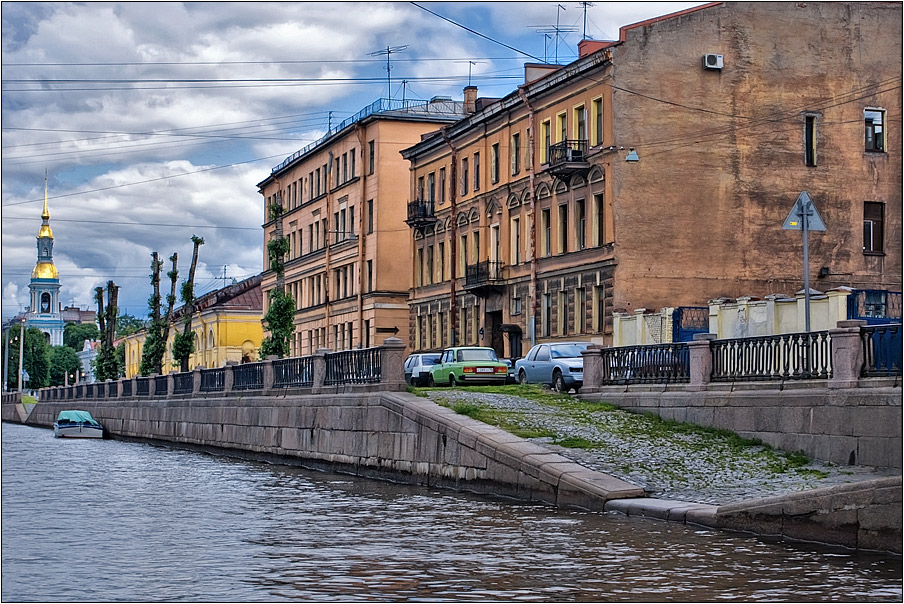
(77,424)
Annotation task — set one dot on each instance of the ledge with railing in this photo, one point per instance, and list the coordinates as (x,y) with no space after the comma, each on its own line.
(377,368)
(839,357)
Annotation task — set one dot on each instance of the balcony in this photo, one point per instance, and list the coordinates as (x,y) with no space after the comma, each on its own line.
(420,214)
(567,158)
(484,277)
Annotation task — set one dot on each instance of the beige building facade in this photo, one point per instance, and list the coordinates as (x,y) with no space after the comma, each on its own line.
(344,202)
(657,170)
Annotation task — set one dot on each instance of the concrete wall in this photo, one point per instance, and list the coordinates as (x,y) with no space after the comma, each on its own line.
(843,426)
(377,435)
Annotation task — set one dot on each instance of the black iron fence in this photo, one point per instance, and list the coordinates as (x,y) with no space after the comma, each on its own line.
(143,386)
(483,272)
(213,380)
(652,364)
(353,367)
(183,383)
(160,385)
(249,376)
(881,350)
(127,388)
(568,151)
(794,356)
(297,372)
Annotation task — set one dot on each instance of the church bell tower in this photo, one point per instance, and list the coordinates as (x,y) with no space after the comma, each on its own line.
(44,311)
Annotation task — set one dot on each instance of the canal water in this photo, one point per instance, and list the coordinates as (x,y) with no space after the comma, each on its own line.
(106,520)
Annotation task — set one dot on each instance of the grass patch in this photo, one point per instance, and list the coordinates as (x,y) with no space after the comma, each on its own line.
(29,400)
(575,442)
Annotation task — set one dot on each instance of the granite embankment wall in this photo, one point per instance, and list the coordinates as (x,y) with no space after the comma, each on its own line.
(844,426)
(404,438)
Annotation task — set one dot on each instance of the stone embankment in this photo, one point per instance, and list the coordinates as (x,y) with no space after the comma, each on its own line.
(402,437)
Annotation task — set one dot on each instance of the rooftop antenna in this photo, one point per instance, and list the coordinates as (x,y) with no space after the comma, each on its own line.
(557,29)
(388,51)
(470,63)
(585,5)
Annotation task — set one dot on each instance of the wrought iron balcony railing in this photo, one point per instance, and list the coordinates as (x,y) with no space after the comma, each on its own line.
(420,214)
(568,152)
(483,273)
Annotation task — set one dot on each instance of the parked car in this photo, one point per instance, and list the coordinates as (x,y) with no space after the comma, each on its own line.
(559,365)
(510,379)
(468,365)
(417,366)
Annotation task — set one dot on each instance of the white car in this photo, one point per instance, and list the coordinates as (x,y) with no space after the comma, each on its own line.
(417,367)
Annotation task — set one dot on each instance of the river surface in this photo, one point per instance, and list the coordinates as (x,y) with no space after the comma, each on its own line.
(107,520)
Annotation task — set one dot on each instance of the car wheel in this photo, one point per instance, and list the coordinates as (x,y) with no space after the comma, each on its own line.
(558,382)
(430,381)
(522,377)
(452,381)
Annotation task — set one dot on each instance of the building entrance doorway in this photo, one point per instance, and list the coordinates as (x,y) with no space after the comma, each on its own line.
(493,328)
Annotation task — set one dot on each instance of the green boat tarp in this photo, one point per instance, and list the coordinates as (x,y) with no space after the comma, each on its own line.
(76,417)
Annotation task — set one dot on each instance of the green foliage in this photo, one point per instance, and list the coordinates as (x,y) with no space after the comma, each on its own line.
(107,365)
(280,322)
(275,210)
(277,249)
(126,325)
(37,358)
(183,345)
(74,335)
(153,350)
(187,292)
(63,361)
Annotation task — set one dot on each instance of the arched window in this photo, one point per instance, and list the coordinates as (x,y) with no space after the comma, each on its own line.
(45,303)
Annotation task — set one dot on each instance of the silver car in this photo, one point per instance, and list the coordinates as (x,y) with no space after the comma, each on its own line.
(559,365)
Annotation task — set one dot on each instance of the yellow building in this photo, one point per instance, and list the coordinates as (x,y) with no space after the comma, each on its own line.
(226,324)
(344,202)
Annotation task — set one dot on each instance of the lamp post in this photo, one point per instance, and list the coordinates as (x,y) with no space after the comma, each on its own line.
(21,351)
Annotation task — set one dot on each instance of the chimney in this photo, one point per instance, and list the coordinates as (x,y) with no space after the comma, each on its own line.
(470,99)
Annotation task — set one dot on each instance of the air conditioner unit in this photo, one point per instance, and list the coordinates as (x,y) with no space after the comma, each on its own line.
(712,61)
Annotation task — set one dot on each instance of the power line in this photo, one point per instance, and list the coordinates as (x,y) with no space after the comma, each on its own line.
(221,63)
(141,224)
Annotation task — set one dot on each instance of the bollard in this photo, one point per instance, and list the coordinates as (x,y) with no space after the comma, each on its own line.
(593,369)
(701,361)
(847,354)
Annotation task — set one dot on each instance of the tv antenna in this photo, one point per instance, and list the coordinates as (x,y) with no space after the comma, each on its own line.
(388,51)
(557,29)
(585,5)
(470,63)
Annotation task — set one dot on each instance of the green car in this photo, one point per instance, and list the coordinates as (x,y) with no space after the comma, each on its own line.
(468,365)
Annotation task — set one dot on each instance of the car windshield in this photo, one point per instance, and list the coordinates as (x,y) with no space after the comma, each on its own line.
(568,351)
(477,354)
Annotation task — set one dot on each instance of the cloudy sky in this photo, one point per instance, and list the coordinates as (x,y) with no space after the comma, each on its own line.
(155,121)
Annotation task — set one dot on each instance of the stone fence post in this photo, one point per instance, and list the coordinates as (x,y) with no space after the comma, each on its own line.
(701,361)
(134,380)
(847,354)
(593,368)
(196,381)
(318,371)
(170,384)
(152,385)
(392,364)
(229,377)
(267,370)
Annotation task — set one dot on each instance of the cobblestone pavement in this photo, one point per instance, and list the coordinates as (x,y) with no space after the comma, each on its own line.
(696,467)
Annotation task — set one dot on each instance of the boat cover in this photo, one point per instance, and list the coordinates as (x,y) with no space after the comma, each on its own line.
(77,417)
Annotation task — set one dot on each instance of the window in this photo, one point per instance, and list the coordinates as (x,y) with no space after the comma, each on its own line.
(477,171)
(475,247)
(599,309)
(420,188)
(873,227)
(515,249)
(544,141)
(442,185)
(516,153)
(366,333)
(371,148)
(370,216)
(545,232)
(516,303)
(428,266)
(562,244)
(464,176)
(494,163)
(580,123)
(580,311)
(599,237)
(344,167)
(462,254)
(370,275)
(580,223)
(546,315)
(317,176)
(875,133)
(441,261)
(431,187)
(561,125)
(597,122)
(351,161)
(419,267)
(810,140)
(562,323)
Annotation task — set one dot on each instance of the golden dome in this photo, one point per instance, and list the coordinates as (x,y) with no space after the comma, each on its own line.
(45,231)
(45,270)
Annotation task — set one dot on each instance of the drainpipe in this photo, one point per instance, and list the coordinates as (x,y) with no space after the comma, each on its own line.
(326,254)
(453,243)
(361,134)
(532,289)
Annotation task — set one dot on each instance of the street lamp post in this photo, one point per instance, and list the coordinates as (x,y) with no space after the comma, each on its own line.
(21,351)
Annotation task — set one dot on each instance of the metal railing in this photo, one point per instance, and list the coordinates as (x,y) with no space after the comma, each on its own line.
(297,372)
(483,272)
(113,390)
(183,383)
(420,213)
(652,364)
(127,388)
(213,380)
(881,350)
(568,151)
(794,356)
(143,386)
(249,376)
(160,385)
(353,367)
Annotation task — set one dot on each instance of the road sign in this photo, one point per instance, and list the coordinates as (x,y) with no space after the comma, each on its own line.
(804,207)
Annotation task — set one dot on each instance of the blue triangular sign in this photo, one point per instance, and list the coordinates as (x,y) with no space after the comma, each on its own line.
(795,220)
